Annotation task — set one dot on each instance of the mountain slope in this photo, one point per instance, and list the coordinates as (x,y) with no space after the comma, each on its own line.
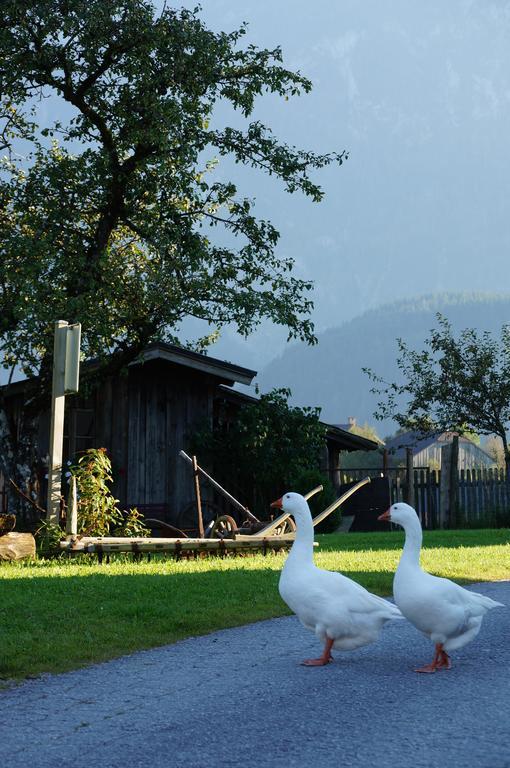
(330,374)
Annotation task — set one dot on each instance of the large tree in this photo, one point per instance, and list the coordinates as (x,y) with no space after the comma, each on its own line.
(112,215)
(459,383)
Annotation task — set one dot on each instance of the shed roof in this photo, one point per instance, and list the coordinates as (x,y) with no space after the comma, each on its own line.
(171,353)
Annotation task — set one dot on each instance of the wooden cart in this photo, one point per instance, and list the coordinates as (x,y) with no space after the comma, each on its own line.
(223,537)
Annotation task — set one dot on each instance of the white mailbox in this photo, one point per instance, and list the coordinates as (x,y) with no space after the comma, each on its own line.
(72,367)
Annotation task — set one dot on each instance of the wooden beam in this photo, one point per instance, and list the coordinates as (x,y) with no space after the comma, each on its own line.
(221,490)
(72,508)
(198,499)
(322,515)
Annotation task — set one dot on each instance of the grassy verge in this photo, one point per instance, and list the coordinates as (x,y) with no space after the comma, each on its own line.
(59,615)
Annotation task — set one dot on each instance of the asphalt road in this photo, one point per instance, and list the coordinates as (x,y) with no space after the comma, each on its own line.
(240,698)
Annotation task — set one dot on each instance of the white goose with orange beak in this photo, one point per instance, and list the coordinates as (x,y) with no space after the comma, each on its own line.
(446,613)
(342,613)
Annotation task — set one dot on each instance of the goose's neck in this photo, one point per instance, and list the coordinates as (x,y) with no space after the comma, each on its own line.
(412,546)
(302,548)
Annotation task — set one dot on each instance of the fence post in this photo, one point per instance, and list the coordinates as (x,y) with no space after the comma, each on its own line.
(454,482)
(449,484)
(410,476)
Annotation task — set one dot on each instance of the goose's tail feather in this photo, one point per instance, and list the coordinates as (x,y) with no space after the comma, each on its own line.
(486,602)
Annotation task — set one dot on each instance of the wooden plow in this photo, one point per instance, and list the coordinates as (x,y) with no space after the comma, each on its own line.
(221,536)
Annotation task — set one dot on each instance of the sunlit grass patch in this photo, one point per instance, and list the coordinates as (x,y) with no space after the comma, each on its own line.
(62,614)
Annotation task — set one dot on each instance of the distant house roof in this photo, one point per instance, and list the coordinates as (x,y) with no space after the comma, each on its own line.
(397,445)
(343,439)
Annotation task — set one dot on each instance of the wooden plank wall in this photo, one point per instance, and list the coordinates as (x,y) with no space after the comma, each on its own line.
(144,419)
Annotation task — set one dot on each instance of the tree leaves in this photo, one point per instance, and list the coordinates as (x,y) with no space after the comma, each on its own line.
(460,384)
(122,225)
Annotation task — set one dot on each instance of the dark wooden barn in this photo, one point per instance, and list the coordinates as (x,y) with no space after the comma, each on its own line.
(146,415)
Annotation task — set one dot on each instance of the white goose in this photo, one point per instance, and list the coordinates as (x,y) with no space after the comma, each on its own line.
(342,613)
(448,614)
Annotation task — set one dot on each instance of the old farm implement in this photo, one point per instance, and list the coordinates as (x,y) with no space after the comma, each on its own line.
(221,534)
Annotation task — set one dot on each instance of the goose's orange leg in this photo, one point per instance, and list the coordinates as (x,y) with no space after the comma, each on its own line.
(322,660)
(441,660)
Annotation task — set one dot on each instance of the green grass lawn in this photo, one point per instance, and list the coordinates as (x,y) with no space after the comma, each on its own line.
(62,614)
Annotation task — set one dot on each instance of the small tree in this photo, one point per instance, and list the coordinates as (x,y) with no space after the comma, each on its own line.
(266,449)
(98,514)
(494,447)
(455,383)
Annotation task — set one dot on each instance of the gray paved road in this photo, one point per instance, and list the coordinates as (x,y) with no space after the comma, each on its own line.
(239,698)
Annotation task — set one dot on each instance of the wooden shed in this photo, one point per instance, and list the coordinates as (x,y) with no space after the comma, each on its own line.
(144,417)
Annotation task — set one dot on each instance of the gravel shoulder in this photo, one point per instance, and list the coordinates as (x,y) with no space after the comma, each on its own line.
(240,697)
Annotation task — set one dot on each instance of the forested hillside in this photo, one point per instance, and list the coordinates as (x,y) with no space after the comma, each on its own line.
(330,374)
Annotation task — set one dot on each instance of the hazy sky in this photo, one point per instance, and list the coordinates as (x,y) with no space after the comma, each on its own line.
(419,94)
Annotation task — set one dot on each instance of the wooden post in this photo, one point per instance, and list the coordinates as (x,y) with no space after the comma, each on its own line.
(334,466)
(57,423)
(385,462)
(66,368)
(453,501)
(410,476)
(72,509)
(449,485)
(197,497)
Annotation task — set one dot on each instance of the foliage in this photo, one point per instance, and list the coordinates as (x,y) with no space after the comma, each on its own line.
(132,525)
(494,447)
(266,448)
(47,539)
(97,508)
(113,216)
(459,383)
(98,514)
(307,479)
(361,459)
(367,430)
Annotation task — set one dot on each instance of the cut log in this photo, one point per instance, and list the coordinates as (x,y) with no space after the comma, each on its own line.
(16,546)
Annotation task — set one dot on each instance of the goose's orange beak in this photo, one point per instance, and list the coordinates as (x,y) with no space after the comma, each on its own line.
(277,504)
(386,516)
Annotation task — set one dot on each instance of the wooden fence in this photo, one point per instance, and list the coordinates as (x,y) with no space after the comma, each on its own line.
(481,497)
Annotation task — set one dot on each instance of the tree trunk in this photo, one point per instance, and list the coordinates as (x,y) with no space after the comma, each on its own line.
(19,461)
(507,465)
